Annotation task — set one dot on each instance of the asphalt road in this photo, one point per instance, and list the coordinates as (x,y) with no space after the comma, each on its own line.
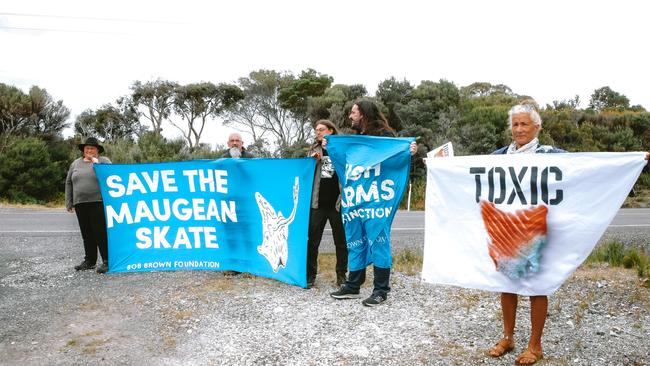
(630,226)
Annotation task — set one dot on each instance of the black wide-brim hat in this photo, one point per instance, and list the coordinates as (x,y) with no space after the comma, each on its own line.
(91,141)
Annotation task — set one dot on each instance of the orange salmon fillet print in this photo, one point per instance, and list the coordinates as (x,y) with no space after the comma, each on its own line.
(515,239)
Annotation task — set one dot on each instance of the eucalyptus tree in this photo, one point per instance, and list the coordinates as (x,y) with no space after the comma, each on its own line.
(108,123)
(428,111)
(482,126)
(393,94)
(34,113)
(297,96)
(606,98)
(47,116)
(154,101)
(275,107)
(14,110)
(198,102)
(335,103)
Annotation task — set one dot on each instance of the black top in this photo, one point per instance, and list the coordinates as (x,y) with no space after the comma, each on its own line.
(329,183)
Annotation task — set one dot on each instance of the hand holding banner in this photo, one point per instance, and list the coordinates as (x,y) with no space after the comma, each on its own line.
(373,172)
(218,215)
(476,207)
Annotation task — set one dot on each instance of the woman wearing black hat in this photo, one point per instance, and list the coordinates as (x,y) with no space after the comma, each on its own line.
(83,197)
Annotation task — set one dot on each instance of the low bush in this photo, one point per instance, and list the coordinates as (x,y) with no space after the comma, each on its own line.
(615,254)
(28,174)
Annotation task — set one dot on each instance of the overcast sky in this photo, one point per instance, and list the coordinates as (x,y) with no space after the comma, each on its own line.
(88,53)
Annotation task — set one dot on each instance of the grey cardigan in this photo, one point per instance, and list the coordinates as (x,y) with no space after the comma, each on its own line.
(81,185)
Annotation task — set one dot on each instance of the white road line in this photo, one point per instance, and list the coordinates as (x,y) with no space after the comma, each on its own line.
(36,213)
(39,231)
(631,225)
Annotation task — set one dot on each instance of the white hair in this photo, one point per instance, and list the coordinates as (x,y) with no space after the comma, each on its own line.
(525,108)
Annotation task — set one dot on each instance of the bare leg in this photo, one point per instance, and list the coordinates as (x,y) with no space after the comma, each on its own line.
(538,310)
(509,311)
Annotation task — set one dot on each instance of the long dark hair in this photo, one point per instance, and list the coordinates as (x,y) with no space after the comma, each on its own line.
(372,120)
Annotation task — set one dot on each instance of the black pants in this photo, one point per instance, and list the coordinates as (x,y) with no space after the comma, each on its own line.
(381,281)
(92,223)
(317,219)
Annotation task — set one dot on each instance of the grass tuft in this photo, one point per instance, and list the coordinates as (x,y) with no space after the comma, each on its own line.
(615,254)
(406,261)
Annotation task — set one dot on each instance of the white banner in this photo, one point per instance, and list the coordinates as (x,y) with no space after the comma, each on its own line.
(520,223)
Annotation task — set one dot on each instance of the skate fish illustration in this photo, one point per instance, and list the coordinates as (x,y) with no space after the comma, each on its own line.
(516,239)
(275,230)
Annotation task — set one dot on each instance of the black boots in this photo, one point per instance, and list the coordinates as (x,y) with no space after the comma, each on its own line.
(83,266)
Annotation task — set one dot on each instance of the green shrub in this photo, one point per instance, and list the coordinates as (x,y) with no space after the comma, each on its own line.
(150,148)
(418,193)
(630,260)
(123,152)
(643,181)
(612,253)
(158,149)
(28,174)
(408,261)
(615,255)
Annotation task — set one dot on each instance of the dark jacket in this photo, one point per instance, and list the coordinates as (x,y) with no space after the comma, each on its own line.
(315,190)
(381,133)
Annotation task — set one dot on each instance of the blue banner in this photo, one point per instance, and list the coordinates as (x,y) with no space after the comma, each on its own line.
(248,215)
(373,172)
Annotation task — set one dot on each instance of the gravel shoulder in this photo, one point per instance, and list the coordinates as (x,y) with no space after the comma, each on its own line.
(52,315)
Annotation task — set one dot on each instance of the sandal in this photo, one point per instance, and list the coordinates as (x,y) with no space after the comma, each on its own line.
(502,347)
(528,357)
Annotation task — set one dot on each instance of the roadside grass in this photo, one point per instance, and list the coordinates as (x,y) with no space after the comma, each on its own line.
(418,192)
(583,305)
(88,342)
(406,261)
(52,204)
(640,199)
(616,255)
(613,253)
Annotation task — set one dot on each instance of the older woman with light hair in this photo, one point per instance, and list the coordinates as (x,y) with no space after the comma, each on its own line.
(525,125)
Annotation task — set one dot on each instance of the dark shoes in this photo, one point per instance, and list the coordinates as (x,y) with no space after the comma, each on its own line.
(310,282)
(373,300)
(103,268)
(83,266)
(344,293)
